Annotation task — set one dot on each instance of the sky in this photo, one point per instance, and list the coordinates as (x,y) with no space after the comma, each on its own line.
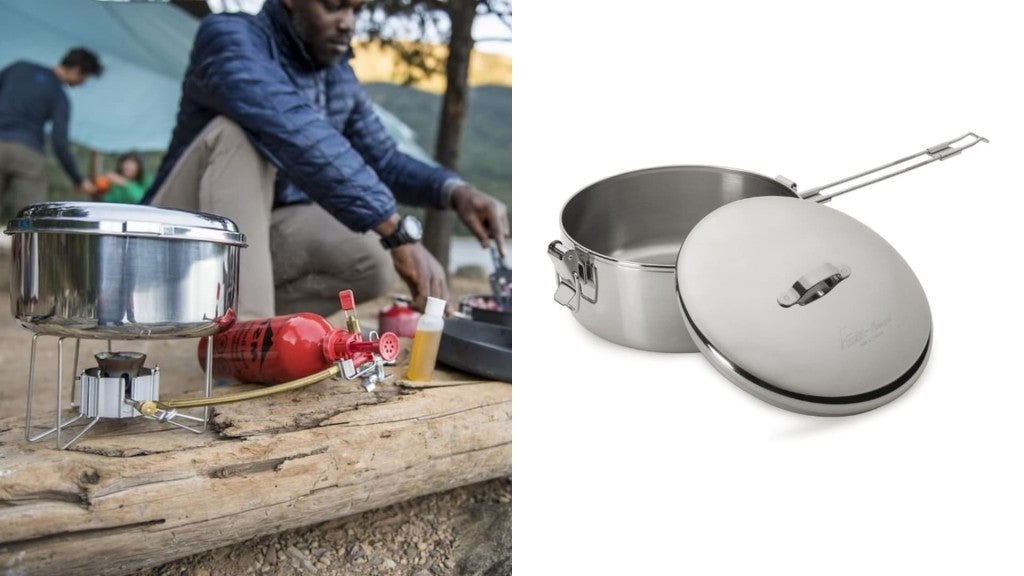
(492,27)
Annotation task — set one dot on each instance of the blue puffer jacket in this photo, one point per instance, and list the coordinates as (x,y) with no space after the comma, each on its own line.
(317,126)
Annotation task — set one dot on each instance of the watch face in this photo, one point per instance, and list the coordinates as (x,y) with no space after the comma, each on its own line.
(412,227)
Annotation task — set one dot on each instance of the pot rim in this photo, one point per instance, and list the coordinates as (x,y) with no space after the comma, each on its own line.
(666,268)
(140,221)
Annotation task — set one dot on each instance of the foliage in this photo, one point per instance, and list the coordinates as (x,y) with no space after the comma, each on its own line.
(393,22)
(377,63)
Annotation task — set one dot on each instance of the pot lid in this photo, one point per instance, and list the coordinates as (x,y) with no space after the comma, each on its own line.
(124,220)
(803,306)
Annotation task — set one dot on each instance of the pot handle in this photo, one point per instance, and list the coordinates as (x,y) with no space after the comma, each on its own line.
(940,151)
(575,274)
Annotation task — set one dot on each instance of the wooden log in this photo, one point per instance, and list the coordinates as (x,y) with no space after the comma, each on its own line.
(133,494)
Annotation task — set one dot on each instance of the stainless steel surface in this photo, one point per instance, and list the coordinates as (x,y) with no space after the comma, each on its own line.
(78,271)
(615,266)
(854,349)
(941,151)
(109,219)
(623,234)
(814,285)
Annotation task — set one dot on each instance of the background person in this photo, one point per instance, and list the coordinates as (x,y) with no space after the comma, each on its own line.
(31,96)
(128,181)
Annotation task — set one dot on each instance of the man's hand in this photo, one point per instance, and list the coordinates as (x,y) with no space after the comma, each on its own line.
(485,215)
(421,272)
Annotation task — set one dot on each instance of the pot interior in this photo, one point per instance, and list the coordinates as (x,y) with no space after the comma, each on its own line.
(643,217)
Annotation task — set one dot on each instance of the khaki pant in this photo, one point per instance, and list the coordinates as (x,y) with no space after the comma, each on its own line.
(22,177)
(299,256)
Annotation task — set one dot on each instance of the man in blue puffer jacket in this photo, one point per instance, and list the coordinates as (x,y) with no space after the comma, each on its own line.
(275,132)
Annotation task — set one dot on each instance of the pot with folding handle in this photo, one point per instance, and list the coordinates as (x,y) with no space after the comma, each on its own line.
(616,264)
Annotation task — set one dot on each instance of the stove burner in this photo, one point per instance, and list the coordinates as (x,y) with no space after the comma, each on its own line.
(120,363)
(117,387)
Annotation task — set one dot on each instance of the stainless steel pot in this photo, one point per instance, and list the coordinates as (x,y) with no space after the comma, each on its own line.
(615,265)
(120,272)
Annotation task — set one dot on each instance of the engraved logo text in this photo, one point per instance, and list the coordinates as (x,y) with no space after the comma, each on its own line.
(850,337)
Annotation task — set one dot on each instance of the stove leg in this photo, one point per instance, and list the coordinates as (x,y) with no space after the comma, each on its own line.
(60,385)
(82,433)
(74,373)
(209,379)
(31,381)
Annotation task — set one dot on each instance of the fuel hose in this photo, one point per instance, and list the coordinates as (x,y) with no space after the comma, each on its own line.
(150,407)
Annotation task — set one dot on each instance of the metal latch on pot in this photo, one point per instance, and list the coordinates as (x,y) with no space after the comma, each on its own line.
(814,285)
(576,275)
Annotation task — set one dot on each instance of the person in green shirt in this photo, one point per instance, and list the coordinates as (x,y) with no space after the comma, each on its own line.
(128,183)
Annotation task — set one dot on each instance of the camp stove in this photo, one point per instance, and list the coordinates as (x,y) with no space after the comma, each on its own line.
(120,386)
(102,271)
(304,349)
(105,271)
(116,388)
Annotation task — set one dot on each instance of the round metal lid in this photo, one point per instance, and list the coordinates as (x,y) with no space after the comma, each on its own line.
(803,306)
(124,220)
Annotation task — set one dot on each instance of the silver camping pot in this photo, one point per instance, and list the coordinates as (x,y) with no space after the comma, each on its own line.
(121,272)
(800,304)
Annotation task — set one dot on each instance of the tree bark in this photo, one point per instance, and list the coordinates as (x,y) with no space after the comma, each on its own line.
(133,494)
(438,231)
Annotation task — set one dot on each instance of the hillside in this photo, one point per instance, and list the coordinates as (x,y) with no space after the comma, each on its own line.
(485,157)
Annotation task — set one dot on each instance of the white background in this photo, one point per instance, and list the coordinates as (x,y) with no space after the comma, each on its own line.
(630,462)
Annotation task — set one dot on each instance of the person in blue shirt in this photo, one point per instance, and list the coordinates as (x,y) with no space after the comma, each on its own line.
(31,96)
(275,132)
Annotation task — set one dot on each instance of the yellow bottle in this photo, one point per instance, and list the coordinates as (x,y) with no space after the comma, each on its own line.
(426,341)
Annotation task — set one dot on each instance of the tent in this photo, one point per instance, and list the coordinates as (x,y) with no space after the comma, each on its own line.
(144,47)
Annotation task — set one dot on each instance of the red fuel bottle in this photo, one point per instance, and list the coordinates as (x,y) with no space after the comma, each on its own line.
(399,318)
(284,348)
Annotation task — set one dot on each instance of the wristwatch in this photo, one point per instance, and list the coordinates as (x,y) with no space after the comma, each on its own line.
(409,230)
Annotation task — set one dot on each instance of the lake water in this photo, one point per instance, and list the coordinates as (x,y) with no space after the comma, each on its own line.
(466,250)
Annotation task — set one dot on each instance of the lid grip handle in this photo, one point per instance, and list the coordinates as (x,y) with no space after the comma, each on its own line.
(814,284)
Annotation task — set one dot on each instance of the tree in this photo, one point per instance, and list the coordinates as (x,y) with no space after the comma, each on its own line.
(395,23)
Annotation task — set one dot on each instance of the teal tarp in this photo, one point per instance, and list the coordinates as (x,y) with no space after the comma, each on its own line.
(144,47)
